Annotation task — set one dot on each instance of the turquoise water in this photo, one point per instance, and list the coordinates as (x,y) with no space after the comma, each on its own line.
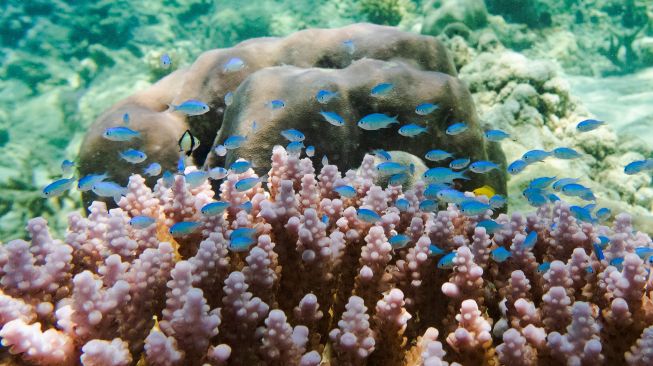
(64,62)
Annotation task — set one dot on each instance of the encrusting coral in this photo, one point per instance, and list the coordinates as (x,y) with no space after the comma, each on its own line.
(321,284)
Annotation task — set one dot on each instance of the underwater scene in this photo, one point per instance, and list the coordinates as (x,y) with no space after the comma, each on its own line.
(344,182)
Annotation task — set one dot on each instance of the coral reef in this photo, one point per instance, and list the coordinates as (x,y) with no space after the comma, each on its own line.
(418,67)
(531,98)
(318,283)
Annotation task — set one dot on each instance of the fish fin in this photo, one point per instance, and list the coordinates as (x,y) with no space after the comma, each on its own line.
(117,198)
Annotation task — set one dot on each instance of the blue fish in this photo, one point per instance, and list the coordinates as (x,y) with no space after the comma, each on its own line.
(425,108)
(541,182)
(195,178)
(109,189)
(275,104)
(644,252)
(168,179)
(125,118)
(191,107)
(473,208)
(456,128)
(459,164)
(398,179)
(399,241)
(181,164)
(376,121)
(241,244)
(133,156)
(248,183)
(141,222)
(382,154)
(228,98)
(152,170)
(542,268)
(617,262)
(433,189)
(57,187)
(165,61)
(446,262)
(234,64)
(67,167)
(500,254)
(218,173)
(345,191)
(381,89)
(536,197)
(120,133)
(603,214)
(411,130)
(490,226)
(246,206)
(638,166)
(582,214)
(557,186)
(435,250)
(517,166)
(214,208)
(324,96)
(497,201)
(566,153)
(402,204)
(86,183)
(483,166)
(530,240)
(575,190)
(603,241)
(325,219)
(246,232)
(310,151)
(368,215)
(333,118)
(450,195)
(552,197)
(589,125)
(496,135)
(349,46)
(234,141)
(437,155)
(220,150)
(295,148)
(390,168)
(443,175)
(293,135)
(240,166)
(428,206)
(535,155)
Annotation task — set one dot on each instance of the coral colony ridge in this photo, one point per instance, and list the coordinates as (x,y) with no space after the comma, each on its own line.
(300,259)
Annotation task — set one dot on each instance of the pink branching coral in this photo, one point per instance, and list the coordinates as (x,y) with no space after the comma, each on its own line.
(315,284)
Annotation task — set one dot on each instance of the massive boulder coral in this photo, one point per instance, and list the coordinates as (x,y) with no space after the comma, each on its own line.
(293,69)
(318,282)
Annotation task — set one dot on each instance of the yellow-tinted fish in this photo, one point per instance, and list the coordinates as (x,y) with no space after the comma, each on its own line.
(485,190)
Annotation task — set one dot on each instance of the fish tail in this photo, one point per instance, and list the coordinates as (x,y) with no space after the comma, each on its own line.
(264,179)
(171,107)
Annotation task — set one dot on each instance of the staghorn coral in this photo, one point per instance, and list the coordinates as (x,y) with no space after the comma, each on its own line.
(276,304)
